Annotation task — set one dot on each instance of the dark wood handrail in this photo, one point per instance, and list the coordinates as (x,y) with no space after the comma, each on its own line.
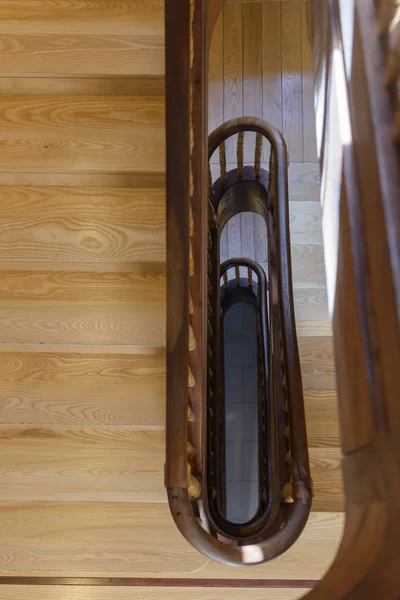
(356,118)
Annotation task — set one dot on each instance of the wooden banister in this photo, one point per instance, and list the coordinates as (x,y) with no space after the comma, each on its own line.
(357,106)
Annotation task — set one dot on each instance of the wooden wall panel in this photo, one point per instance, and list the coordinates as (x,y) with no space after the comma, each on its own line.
(252,71)
(216,76)
(292,79)
(233,68)
(272,63)
(309,131)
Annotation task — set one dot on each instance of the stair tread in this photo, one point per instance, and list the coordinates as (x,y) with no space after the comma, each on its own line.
(138,539)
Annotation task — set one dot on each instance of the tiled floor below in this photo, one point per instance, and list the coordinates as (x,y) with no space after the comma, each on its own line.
(240,354)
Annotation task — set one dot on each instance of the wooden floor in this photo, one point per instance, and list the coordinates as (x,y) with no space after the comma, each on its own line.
(82,293)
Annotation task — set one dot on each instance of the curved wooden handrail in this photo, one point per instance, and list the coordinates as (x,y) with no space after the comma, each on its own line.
(356,138)
(269,542)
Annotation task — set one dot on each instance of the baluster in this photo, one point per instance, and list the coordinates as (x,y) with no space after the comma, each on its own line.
(194,488)
(191,304)
(191,260)
(192,339)
(239,152)
(222,162)
(257,155)
(237,274)
(191,379)
(190,415)
(210,184)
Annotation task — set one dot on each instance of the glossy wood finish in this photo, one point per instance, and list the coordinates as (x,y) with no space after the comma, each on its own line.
(361,212)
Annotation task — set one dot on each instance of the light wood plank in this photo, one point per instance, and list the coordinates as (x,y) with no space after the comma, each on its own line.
(326,472)
(82,133)
(308,265)
(252,72)
(304,182)
(82,390)
(313,328)
(55,54)
(97,538)
(83,86)
(118,179)
(146,284)
(291,79)
(305,222)
(309,131)
(216,76)
(247,224)
(127,17)
(322,418)
(81,225)
(234,234)
(27,592)
(272,63)
(233,70)
(311,304)
(139,539)
(118,464)
(93,322)
(317,363)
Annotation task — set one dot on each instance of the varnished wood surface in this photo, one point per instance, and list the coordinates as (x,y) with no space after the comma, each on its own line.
(84,133)
(267,71)
(65,538)
(81,225)
(117,464)
(146,593)
(82,297)
(86,16)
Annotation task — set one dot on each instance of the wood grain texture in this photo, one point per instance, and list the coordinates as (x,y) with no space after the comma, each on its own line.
(326,470)
(81,224)
(116,179)
(252,72)
(118,464)
(93,538)
(304,182)
(52,54)
(26,592)
(313,328)
(305,222)
(92,322)
(322,418)
(127,17)
(272,63)
(311,304)
(82,133)
(233,70)
(82,390)
(216,76)
(83,86)
(309,131)
(317,363)
(65,537)
(292,80)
